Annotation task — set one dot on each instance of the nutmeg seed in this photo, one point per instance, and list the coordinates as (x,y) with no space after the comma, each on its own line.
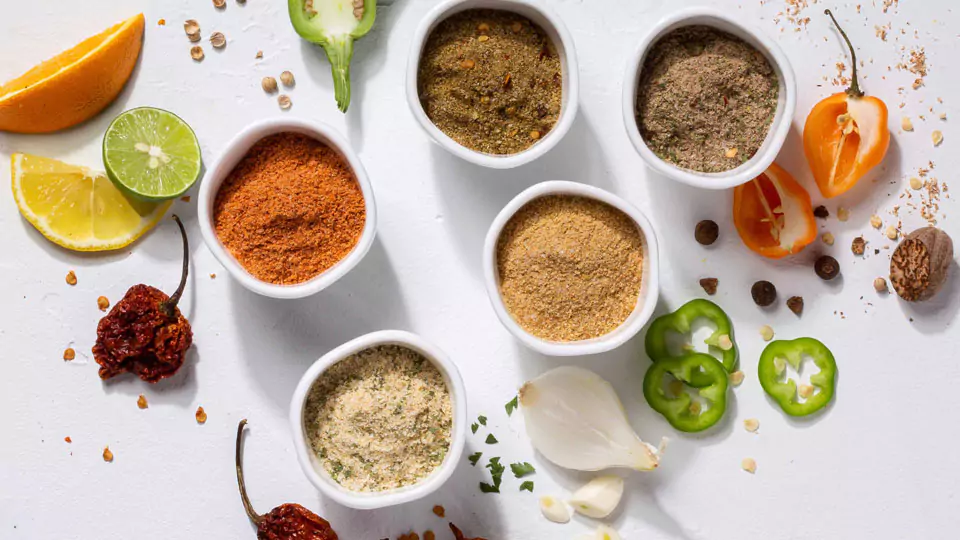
(921,263)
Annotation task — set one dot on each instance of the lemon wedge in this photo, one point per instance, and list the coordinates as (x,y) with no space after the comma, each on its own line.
(77,208)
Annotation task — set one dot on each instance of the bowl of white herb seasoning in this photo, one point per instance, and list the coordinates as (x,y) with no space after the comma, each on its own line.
(380,420)
(735,54)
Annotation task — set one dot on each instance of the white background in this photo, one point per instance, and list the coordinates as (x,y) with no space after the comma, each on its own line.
(881,463)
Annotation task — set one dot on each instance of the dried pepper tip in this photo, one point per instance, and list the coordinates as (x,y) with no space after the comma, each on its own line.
(854,90)
(254,516)
(170,306)
(458,534)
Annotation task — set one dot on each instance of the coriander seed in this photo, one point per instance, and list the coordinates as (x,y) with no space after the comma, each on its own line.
(218,40)
(764,293)
(284,101)
(706,232)
(269,85)
(196,52)
(287,79)
(827,268)
(880,285)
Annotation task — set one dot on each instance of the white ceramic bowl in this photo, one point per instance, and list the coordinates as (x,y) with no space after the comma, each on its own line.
(366,501)
(786,105)
(552,25)
(235,150)
(649,285)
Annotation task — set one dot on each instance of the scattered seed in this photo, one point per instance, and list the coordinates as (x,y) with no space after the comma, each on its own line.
(482,39)
(731,153)
(695,408)
(287,79)
(71,278)
(67,440)
(805,391)
(858,246)
(213,276)
(749,465)
(827,238)
(827,268)
(142,401)
(218,40)
(916,183)
(710,285)
(766,332)
(439,511)
(201,415)
(736,378)
(259,55)
(196,52)
(284,101)
(724,342)
(906,123)
(534,134)
(892,232)
(880,285)
(69,354)
(467,63)
(876,222)
(843,214)
(821,212)
(219,4)
(483,27)
(751,425)
(162,22)
(937,137)
(675,387)
(707,232)
(269,84)
(103,303)
(192,28)
(107,454)
(764,293)
(795,303)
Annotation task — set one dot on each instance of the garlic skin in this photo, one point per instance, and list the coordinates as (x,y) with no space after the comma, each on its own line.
(554,509)
(575,419)
(599,498)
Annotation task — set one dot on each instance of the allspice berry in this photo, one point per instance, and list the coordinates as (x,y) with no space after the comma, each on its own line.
(921,263)
(707,232)
(764,293)
(827,268)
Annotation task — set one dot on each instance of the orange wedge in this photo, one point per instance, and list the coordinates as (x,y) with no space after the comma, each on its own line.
(75,85)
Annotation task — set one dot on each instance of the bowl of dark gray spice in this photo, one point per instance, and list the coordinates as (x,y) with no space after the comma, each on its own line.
(707,100)
(380,420)
(494,82)
(571,269)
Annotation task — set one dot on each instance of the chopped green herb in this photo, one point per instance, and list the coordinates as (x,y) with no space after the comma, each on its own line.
(522,469)
(487,488)
(527,486)
(474,458)
(511,405)
(491,439)
(482,419)
(474,427)
(496,472)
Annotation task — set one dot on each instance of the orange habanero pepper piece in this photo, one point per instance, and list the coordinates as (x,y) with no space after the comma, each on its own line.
(773,214)
(845,135)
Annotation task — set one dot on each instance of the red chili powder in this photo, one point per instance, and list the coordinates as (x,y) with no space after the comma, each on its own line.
(290,209)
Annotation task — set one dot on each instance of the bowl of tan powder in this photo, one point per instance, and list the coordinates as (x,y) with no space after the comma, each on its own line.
(494,82)
(707,100)
(380,420)
(287,208)
(571,269)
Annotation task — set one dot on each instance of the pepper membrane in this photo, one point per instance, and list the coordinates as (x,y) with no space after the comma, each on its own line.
(698,370)
(772,367)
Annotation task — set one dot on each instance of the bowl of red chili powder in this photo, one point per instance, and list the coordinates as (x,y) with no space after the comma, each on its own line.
(287,208)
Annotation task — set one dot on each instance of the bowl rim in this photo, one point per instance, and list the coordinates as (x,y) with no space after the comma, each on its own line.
(650,282)
(458,396)
(779,127)
(230,156)
(549,21)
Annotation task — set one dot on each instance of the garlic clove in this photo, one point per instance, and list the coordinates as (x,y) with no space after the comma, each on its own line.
(599,498)
(554,509)
(575,419)
(606,533)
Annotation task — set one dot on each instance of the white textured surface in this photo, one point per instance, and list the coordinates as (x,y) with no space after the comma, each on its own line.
(882,463)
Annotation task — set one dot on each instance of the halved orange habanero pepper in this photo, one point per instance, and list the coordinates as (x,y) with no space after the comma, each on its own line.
(845,135)
(773,214)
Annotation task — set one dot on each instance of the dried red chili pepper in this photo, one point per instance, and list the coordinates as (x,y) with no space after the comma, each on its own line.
(285,522)
(459,534)
(145,333)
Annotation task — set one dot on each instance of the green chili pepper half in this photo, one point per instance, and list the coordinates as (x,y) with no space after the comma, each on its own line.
(773,365)
(334,24)
(677,406)
(680,321)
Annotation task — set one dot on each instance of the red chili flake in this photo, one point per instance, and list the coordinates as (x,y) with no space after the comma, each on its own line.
(68,440)
(285,522)
(145,333)
(439,511)
(459,535)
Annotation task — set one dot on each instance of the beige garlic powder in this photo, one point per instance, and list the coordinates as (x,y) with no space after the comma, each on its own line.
(380,419)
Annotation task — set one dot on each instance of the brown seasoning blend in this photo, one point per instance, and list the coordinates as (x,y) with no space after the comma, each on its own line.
(570,267)
(290,209)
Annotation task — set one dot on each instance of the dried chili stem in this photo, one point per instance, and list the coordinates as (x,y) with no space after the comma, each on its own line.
(170,305)
(254,516)
(854,89)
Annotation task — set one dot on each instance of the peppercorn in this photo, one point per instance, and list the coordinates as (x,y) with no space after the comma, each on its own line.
(827,268)
(764,293)
(795,303)
(821,212)
(707,232)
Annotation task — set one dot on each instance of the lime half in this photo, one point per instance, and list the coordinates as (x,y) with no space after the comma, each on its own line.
(151,154)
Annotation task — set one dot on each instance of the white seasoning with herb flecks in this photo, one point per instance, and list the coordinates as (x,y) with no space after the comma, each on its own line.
(380,419)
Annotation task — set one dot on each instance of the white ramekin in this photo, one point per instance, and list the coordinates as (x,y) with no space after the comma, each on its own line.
(235,150)
(367,501)
(786,105)
(649,285)
(552,25)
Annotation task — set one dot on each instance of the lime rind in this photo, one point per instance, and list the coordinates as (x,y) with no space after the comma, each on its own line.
(151,154)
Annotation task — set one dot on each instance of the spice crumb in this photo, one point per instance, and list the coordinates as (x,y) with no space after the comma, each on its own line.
(892,232)
(69,354)
(439,511)
(196,52)
(201,415)
(859,246)
(876,222)
(162,22)
(795,303)
(142,401)
(827,238)
(749,465)
(107,454)
(103,303)
(67,440)
(843,214)
(185,198)
(259,55)
(213,276)
(710,285)
(71,278)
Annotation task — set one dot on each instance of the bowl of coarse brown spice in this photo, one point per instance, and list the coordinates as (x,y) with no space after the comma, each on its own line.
(708,100)
(380,420)
(571,269)
(287,208)
(494,82)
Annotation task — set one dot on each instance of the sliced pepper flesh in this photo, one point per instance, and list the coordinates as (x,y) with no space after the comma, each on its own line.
(774,214)
(680,321)
(783,390)
(678,407)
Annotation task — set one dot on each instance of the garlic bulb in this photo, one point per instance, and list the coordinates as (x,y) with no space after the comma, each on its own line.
(575,419)
(554,509)
(599,498)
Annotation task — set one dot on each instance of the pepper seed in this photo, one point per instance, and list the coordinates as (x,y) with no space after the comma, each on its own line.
(749,465)
(724,342)
(71,278)
(766,332)
(142,401)
(736,378)
(916,183)
(107,454)
(201,415)
(751,425)
(103,303)
(805,391)
(69,354)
